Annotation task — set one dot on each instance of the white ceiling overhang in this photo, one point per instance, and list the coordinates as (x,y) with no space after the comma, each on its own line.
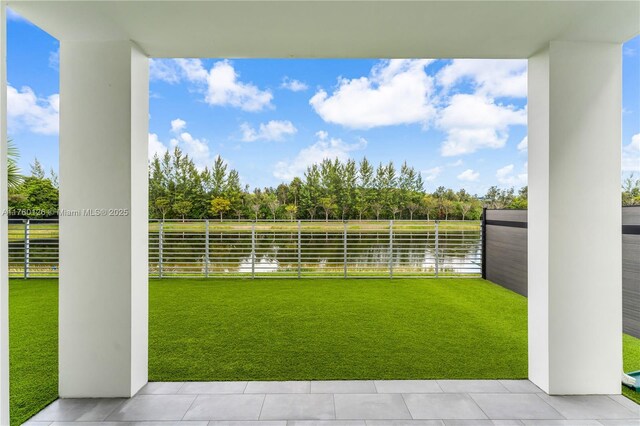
(336,29)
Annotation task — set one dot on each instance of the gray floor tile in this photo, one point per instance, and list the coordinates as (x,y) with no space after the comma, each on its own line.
(407,386)
(471,386)
(520,386)
(626,402)
(622,422)
(161,388)
(75,410)
(343,386)
(248,423)
(326,423)
(483,423)
(522,406)
(278,387)
(371,406)
(153,408)
(156,423)
(443,406)
(30,423)
(203,388)
(405,423)
(161,423)
(88,424)
(589,407)
(225,407)
(298,407)
(562,423)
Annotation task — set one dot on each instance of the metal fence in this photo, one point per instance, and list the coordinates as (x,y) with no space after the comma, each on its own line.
(206,248)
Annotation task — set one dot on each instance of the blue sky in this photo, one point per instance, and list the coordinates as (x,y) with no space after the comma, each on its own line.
(462,123)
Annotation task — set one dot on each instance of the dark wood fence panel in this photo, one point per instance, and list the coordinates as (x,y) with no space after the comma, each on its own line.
(631,270)
(506,249)
(506,258)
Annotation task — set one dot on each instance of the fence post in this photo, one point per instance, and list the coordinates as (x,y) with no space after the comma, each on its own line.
(206,249)
(484,243)
(299,250)
(160,248)
(26,248)
(253,250)
(391,249)
(437,249)
(345,248)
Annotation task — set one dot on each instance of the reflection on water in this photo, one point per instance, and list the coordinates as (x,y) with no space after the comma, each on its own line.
(264,264)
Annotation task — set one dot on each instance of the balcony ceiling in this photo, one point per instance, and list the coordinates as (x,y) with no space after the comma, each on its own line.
(336,29)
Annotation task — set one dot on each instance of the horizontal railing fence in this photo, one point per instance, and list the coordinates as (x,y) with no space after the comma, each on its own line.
(207,248)
(506,257)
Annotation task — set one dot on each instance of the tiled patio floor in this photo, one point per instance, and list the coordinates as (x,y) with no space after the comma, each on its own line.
(349,403)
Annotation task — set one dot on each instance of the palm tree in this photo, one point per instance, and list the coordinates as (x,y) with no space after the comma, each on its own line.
(14,178)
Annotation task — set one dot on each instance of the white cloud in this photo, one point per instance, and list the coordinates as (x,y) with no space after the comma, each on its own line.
(524,144)
(398,91)
(293,85)
(177,125)
(155,146)
(506,176)
(197,149)
(26,111)
(192,69)
(491,77)
(432,174)
(324,147)
(54,59)
(224,88)
(473,122)
(631,155)
(274,130)
(220,85)
(469,175)
(164,70)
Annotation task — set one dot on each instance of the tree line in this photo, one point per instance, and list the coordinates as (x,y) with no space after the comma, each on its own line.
(329,190)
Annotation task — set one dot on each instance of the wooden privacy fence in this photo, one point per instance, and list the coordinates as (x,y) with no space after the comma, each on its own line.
(505,257)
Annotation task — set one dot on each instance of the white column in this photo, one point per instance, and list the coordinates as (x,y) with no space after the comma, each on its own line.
(4,238)
(103,254)
(575,277)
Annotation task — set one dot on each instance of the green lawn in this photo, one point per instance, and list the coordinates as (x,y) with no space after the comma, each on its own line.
(296,329)
(33,346)
(50,230)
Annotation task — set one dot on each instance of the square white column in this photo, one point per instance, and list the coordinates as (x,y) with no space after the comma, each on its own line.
(103,314)
(575,263)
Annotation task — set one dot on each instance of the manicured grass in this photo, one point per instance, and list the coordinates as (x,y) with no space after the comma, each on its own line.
(50,231)
(272,329)
(631,355)
(316,226)
(33,346)
(335,329)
